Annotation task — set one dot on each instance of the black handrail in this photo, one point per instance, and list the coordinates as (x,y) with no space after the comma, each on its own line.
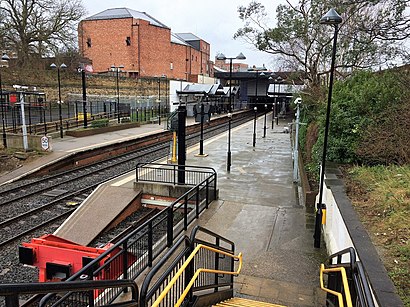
(177,255)
(139,243)
(11,292)
(359,287)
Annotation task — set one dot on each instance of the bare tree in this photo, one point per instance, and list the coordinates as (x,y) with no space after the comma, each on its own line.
(39,27)
(372,33)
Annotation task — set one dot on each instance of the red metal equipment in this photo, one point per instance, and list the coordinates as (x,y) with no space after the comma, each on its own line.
(58,258)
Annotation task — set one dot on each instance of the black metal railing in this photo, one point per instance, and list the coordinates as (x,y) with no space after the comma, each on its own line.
(80,292)
(158,278)
(168,173)
(137,250)
(360,291)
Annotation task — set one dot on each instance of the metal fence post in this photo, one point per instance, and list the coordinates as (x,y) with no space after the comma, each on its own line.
(170,226)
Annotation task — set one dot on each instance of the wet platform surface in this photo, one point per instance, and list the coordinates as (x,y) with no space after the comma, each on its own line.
(259,210)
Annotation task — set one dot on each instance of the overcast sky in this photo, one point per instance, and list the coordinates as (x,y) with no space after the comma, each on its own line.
(215,21)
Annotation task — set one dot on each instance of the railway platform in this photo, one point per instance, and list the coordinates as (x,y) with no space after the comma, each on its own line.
(258,208)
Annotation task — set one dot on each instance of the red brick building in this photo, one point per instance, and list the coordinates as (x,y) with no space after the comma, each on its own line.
(143,45)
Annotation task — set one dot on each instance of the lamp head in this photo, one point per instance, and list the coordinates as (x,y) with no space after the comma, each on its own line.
(5,57)
(255,109)
(240,56)
(331,18)
(229,115)
(298,101)
(221,56)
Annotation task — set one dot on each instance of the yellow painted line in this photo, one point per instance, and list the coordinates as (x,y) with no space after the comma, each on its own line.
(114,141)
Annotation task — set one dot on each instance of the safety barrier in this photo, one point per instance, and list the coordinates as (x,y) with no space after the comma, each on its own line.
(131,255)
(347,283)
(81,292)
(193,266)
(169,173)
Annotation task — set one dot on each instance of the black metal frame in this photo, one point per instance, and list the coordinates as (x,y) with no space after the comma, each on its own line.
(79,291)
(359,287)
(176,257)
(137,250)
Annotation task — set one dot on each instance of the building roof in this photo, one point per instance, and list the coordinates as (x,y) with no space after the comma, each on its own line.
(208,89)
(176,39)
(119,13)
(188,37)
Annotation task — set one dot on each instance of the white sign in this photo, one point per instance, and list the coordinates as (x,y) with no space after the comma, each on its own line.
(45,144)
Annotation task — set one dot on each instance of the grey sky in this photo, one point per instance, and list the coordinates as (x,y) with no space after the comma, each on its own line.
(215,21)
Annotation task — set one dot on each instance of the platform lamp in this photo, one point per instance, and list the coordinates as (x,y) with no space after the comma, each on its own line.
(334,19)
(222,57)
(229,160)
(117,70)
(60,115)
(5,58)
(254,127)
(278,80)
(159,100)
(264,124)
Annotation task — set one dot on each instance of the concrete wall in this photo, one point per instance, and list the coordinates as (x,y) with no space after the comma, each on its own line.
(33,141)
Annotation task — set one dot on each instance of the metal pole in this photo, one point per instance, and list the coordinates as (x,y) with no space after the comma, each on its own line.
(159,101)
(319,205)
(230,87)
(228,164)
(274,105)
(2,114)
(118,95)
(264,125)
(201,140)
(254,127)
(296,152)
(181,144)
(84,97)
(59,103)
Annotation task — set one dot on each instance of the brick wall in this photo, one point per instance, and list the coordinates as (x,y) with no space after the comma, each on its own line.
(149,54)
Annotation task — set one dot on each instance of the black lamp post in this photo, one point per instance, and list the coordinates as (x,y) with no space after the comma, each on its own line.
(330,18)
(222,57)
(254,127)
(117,70)
(84,87)
(159,101)
(279,80)
(6,58)
(62,66)
(228,162)
(264,125)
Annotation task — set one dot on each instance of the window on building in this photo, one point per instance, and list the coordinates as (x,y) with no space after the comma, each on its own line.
(89,42)
(196,59)
(171,66)
(128,41)
(192,58)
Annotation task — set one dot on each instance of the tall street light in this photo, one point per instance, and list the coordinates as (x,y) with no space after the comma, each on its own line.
(5,58)
(228,162)
(62,66)
(254,127)
(117,70)
(222,57)
(334,19)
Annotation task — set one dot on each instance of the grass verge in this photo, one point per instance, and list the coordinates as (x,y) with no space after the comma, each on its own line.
(381,197)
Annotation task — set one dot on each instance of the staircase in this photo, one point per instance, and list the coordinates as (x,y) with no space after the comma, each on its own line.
(239,302)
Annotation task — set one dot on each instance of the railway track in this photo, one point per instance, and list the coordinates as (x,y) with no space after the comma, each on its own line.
(33,207)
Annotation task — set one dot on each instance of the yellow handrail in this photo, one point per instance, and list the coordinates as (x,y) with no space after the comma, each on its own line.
(183,267)
(339,295)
